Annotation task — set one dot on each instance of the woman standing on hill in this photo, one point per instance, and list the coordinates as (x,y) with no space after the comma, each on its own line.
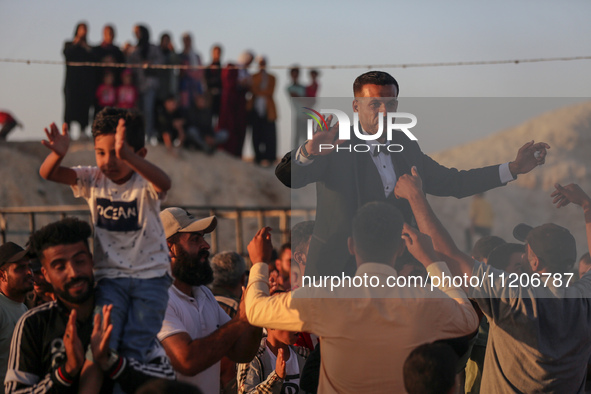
(79,87)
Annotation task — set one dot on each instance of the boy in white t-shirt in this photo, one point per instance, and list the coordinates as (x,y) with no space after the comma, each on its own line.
(124,192)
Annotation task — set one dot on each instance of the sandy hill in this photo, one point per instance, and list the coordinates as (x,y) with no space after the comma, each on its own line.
(198,179)
(221,180)
(568,132)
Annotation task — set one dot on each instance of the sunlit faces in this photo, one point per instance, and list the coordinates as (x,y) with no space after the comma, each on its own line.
(373,100)
(82,30)
(108,162)
(40,286)
(108,35)
(283,264)
(68,268)
(190,263)
(17,277)
(193,243)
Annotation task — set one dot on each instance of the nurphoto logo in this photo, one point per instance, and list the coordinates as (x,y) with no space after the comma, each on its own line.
(345,129)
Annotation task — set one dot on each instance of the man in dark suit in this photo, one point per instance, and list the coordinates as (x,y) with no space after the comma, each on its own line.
(346,180)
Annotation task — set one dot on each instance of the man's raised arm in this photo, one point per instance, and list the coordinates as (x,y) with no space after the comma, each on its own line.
(261,309)
(564,195)
(409,187)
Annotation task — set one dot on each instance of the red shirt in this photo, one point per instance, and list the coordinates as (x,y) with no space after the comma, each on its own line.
(106,96)
(126,96)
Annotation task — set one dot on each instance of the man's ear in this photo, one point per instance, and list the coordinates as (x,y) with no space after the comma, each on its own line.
(3,275)
(142,152)
(351,246)
(535,263)
(299,258)
(355,105)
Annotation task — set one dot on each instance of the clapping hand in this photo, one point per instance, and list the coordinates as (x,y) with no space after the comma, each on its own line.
(73,345)
(100,338)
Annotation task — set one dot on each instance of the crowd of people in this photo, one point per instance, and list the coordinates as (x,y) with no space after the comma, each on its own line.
(148,311)
(196,105)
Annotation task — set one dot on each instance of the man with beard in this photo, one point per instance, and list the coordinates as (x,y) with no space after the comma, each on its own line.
(196,332)
(49,342)
(15,281)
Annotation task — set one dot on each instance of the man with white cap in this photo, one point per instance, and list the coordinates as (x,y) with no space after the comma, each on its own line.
(196,332)
(16,280)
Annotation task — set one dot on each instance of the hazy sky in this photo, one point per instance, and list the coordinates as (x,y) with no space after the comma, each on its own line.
(318,33)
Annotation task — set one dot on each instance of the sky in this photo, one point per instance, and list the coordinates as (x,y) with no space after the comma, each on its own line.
(313,33)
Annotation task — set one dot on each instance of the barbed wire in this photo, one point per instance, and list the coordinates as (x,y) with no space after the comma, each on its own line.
(320,67)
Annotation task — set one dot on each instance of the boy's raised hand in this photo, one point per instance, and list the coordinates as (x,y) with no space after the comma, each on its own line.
(56,141)
(122,148)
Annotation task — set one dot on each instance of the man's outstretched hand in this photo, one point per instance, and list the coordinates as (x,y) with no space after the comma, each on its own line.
(261,247)
(564,195)
(529,157)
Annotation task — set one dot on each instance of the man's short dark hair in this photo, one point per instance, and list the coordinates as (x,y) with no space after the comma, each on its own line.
(106,121)
(377,230)
(374,78)
(499,257)
(228,268)
(430,369)
(301,234)
(484,246)
(283,248)
(67,231)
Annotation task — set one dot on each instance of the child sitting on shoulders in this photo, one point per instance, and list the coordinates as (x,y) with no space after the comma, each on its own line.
(124,192)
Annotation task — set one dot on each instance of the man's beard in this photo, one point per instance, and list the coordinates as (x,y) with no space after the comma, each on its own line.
(79,299)
(192,269)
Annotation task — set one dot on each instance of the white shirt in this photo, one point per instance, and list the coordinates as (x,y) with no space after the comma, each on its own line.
(129,238)
(198,316)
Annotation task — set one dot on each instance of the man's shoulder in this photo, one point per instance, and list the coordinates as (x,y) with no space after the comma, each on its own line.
(206,292)
(37,317)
